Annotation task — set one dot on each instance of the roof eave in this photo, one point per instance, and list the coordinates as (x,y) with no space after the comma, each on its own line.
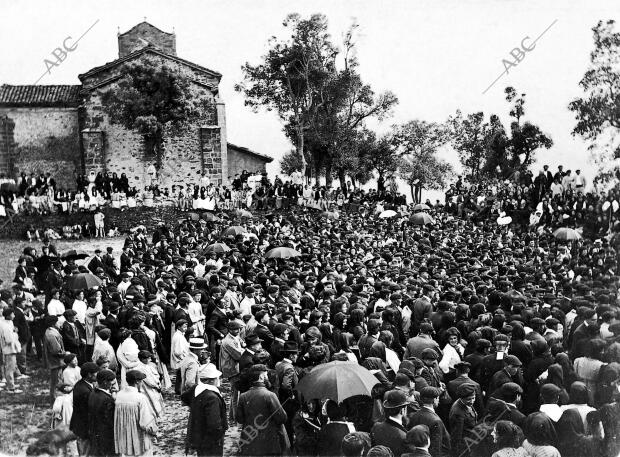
(134,54)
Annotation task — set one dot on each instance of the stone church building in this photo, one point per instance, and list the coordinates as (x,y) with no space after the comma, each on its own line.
(64,129)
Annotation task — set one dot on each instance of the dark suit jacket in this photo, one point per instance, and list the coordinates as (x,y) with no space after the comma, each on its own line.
(79,419)
(263,332)
(112,323)
(330,438)
(101,423)
(207,421)
(462,421)
(71,337)
(95,263)
(390,434)
(498,380)
(217,324)
(21,324)
(439,436)
(261,406)
(504,411)
(245,361)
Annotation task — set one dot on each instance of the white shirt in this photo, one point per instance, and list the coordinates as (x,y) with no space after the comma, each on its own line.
(80,308)
(553,411)
(246,306)
(200,388)
(55,307)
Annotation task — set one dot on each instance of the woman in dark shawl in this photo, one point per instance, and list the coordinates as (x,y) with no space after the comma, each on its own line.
(540,436)
(574,442)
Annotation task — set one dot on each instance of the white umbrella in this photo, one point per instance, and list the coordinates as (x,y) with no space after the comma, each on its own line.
(388,213)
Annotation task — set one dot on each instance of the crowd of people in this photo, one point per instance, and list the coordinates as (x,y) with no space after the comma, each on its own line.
(484,338)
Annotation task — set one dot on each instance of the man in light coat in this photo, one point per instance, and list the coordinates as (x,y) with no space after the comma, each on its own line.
(230,354)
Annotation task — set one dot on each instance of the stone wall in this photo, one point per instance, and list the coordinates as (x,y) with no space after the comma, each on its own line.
(135,39)
(44,140)
(124,220)
(124,151)
(7,144)
(238,161)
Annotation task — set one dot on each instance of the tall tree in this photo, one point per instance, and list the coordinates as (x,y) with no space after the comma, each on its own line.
(418,143)
(380,155)
(598,111)
(292,75)
(469,135)
(525,138)
(151,98)
(346,105)
(291,162)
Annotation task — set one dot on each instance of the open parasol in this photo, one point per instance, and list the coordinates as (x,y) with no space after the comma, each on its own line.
(566,233)
(218,248)
(210,217)
(234,231)
(421,207)
(387,213)
(244,213)
(422,219)
(282,253)
(337,381)
(83,281)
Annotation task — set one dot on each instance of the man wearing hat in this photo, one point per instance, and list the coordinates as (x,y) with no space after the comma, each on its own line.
(259,407)
(391,432)
(463,419)
(207,421)
(111,322)
(422,341)
(230,354)
(96,262)
(53,351)
(462,377)
(197,356)
(508,399)
(252,344)
(418,442)
(81,392)
(72,335)
(134,423)
(101,415)
(216,328)
(439,436)
(510,373)
(287,380)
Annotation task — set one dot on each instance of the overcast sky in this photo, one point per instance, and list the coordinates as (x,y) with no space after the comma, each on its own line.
(437,56)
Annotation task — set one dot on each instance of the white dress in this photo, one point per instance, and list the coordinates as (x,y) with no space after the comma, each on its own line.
(127,355)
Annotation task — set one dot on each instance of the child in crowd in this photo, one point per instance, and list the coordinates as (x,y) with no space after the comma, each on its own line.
(99,224)
(71,373)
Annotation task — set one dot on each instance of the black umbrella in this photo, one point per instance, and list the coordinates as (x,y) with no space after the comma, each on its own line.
(83,281)
(74,254)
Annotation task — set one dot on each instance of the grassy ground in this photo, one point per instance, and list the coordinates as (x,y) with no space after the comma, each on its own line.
(11,250)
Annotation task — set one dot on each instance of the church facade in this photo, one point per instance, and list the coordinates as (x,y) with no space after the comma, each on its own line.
(64,129)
